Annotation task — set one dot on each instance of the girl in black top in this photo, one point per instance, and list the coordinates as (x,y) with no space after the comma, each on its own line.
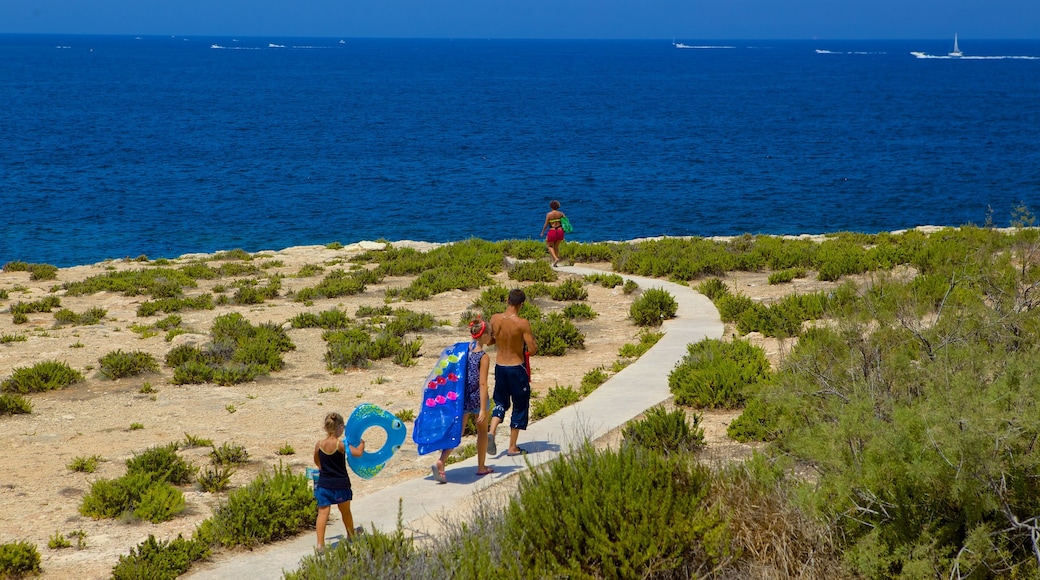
(333,485)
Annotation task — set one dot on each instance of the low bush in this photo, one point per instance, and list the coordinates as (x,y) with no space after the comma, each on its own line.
(592,379)
(647,339)
(568,290)
(554,334)
(36,271)
(156,559)
(629,287)
(718,374)
(18,559)
(713,288)
(665,431)
(90,316)
(163,463)
(8,338)
(557,398)
(159,503)
(600,493)
(579,311)
(786,275)
(14,404)
(335,284)
(757,422)
(20,310)
(215,478)
(534,271)
(333,318)
(118,364)
(192,373)
(110,498)
(84,463)
(653,307)
(151,307)
(605,280)
(41,377)
(184,353)
(229,454)
(272,507)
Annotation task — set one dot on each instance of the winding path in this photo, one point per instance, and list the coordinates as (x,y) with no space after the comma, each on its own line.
(628,393)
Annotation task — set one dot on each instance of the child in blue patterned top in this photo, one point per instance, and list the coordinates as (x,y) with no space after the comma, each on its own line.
(474,397)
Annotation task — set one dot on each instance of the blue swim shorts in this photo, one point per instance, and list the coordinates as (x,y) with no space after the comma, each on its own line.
(327,497)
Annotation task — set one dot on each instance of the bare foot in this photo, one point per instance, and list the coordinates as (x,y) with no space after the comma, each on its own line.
(438,472)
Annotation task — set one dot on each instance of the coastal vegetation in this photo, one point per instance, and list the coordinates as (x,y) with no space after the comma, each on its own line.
(896,427)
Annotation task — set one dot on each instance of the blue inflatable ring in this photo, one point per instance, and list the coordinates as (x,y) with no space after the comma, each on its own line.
(364,417)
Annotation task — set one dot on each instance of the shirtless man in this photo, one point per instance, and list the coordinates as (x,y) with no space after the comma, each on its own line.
(514,343)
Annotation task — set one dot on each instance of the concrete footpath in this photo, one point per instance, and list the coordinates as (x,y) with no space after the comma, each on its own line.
(636,388)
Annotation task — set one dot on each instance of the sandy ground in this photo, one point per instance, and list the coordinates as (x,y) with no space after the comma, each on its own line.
(40,497)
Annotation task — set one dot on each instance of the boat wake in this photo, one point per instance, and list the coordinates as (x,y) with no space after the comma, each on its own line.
(824,51)
(925,55)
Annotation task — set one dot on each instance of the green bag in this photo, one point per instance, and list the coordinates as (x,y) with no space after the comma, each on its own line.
(566,225)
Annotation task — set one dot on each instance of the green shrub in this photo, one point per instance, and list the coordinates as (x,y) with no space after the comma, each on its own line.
(163,463)
(786,275)
(758,422)
(713,288)
(591,380)
(535,271)
(557,398)
(14,404)
(110,498)
(36,271)
(579,311)
(335,284)
(151,307)
(272,507)
(718,374)
(41,377)
(192,441)
(629,287)
(405,415)
(229,454)
(605,280)
(286,450)
(18,559)
(334,318)
(159,503)
(85,464)
(370,311)
(169,323)
(91,316)
(571,289)
(192,373)
(58,541)
(653,307)
(216,478)
(665,431)
(20,310)
(118,364)
(647,339)
(554,334)
(732,306)
(308,270)
(8,338)
(600,494)
(184,353)
(159,559)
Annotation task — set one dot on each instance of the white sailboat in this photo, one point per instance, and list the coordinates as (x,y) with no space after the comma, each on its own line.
(956,49)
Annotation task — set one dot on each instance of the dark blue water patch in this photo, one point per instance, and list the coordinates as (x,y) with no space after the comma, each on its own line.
(162,146)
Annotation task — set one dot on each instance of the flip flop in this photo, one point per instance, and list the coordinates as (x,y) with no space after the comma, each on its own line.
(437,475)
(489,471)
(521,452)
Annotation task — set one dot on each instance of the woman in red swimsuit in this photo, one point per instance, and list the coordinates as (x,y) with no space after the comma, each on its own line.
(555,231)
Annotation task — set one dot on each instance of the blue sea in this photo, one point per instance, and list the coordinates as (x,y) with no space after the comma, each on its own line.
(123,146)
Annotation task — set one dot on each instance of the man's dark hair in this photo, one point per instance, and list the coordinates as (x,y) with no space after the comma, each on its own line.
(516,297)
